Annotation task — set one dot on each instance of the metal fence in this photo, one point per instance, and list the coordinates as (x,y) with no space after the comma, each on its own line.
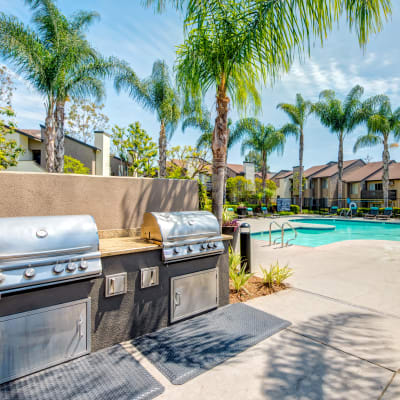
(325,203)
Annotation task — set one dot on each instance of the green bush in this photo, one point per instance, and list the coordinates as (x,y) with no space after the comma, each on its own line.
(74,166)
(275,275)
(286,213)
(237,274)
(295,208)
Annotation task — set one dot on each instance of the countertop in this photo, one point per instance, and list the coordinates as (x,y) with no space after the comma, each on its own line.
(125,245)
(130,244)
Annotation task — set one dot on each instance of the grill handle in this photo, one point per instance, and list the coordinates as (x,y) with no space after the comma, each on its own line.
(178,295)
(45,253)
(80,332)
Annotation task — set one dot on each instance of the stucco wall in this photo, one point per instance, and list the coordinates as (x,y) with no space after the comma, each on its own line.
(283,190)
(114,202)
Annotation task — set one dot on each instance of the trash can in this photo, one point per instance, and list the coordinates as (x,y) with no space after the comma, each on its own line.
(245,246)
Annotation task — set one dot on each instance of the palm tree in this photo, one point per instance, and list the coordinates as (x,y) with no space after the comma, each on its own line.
(381,122)
(298,114)
(157,94)
(341,118)
(230,47)
(264,139)
(58,61)
(202,122)
(36,62)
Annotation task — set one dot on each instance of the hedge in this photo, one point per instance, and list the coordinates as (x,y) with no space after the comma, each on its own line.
(295,208)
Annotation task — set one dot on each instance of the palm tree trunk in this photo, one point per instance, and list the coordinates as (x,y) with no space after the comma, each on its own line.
(50,136)
(59,141)
(162,149)
(301,151)
(385,176)
(264,172)
(340,171)
(219,150)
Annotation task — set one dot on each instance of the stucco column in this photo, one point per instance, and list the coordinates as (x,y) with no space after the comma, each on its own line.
(102,142)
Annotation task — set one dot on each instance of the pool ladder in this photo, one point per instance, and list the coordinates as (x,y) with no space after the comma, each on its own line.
(282,228)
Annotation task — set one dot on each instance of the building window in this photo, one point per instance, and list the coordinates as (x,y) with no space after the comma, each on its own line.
(354,188)
(375,186)
(325,183)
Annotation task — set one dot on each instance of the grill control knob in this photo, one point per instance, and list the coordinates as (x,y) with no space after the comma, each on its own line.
(29,273)
(203,246)
(215,245)
(71,267)
(190,247)
(2,278)
(58,268)
(177,250)
(210,245)
(83,265)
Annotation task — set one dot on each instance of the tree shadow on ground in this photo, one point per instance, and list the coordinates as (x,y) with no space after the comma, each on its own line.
(299,367)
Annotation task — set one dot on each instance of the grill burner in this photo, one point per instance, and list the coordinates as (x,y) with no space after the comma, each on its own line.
(183,235)
(39,251)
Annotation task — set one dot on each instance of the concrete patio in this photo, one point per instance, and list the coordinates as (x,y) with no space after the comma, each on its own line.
(344,340)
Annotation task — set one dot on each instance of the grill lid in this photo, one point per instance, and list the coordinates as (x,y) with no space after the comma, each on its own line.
(183,235)
(173,227)
(32,237)
(39,251)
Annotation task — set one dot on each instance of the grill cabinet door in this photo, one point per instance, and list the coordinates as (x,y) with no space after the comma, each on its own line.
(193,293)
(38,339)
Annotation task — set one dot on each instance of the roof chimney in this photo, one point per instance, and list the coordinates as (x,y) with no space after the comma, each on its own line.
(102,142)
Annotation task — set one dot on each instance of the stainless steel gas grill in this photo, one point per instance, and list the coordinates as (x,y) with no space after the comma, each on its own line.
(183,235)
(41,251)
(191,243)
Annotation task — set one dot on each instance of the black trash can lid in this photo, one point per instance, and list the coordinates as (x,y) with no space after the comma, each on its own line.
(245,225)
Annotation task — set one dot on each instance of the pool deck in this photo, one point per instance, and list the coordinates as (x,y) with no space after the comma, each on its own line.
(344,343)
(362,272)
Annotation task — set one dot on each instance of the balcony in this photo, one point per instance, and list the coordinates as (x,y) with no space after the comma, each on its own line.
(377,194)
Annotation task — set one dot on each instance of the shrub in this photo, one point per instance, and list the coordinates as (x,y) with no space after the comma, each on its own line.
(74,166)
(295,208)
(237,274)
(276,274)
(286,213)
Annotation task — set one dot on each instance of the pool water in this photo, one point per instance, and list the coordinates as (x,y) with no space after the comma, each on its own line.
(341,230)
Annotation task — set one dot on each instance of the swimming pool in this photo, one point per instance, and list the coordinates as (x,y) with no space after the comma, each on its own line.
(337,231)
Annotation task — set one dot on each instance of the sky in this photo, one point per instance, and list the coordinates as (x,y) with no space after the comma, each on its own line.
(136,34)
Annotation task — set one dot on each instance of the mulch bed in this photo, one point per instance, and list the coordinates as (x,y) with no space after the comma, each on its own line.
(253,288)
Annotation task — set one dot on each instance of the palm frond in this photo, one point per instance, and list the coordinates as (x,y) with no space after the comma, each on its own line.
(368,140)
(291,130)
(24,49)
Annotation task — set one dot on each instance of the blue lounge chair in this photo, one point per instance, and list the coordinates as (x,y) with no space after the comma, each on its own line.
(372,213)
(387,213)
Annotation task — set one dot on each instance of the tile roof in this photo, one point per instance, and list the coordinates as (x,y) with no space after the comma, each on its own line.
(362,173)
(236,168)
(35,133)
(313,170)
(282,174)
(32,133)
(332,170)
(394,173)
(259,175)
